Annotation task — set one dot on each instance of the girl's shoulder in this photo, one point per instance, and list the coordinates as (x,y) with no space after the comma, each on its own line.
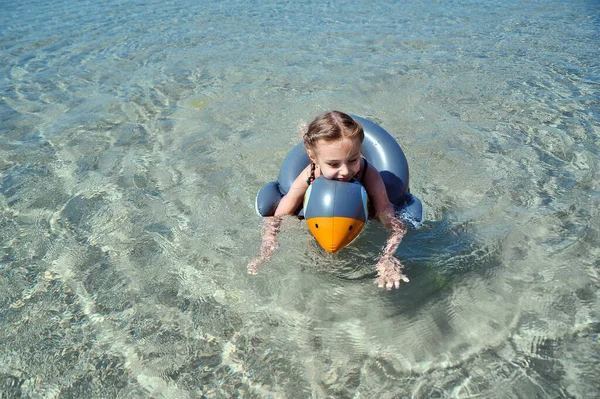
(375,187)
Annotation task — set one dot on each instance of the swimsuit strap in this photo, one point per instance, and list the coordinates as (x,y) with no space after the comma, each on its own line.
(364,172)
(311,178)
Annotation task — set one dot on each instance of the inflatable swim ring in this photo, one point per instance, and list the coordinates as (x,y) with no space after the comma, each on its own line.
(336,199)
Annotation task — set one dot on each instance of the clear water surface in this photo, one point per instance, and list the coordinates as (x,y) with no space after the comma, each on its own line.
(135,134)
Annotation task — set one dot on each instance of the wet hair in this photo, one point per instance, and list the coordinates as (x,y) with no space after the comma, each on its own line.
(332,125)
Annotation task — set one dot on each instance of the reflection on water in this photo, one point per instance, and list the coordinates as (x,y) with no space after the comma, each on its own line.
(134,138)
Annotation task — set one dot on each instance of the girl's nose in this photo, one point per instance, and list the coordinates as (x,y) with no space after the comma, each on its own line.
(344,170)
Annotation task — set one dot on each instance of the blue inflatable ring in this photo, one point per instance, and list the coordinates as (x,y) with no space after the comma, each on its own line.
(381,151)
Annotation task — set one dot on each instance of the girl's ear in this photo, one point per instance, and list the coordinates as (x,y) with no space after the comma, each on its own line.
(311,154)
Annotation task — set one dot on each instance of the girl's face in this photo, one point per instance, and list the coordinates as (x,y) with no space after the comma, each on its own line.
(337,159)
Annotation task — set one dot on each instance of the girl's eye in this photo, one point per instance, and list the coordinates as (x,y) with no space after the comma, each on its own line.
(333,165)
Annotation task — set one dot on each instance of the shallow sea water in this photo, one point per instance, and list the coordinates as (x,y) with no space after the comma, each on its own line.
(135,136)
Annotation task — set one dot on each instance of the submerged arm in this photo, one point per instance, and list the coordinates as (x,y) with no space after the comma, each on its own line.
(287,206)
(269,242)
(389,268)
(395,226)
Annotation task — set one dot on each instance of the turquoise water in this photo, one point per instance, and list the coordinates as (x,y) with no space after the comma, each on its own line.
(135,136)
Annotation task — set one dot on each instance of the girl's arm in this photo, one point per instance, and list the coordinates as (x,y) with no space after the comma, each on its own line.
(269,242)
(396,227)
(389,268)
(287,206)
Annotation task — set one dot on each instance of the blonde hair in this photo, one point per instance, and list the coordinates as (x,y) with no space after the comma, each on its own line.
(332,125)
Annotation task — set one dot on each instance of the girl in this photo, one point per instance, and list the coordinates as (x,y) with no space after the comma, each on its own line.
(333,142)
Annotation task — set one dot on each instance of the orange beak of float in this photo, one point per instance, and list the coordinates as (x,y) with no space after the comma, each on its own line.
(335,212)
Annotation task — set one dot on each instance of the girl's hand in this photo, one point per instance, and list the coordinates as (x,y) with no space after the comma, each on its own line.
(389,273)
(253,266)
